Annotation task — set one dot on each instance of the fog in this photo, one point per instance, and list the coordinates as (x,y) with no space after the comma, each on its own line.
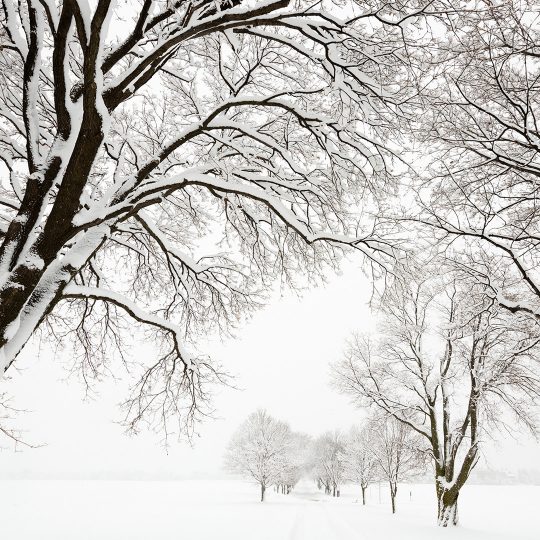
(280,360)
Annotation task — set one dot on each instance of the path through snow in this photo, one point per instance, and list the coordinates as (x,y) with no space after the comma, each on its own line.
(316,519)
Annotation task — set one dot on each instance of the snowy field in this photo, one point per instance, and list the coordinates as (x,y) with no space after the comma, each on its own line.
(228,510)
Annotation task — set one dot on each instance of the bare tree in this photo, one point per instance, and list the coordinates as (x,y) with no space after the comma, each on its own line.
(259,450)
(396,452)
(446,364)
(359,460)
(162,160)
(328,453)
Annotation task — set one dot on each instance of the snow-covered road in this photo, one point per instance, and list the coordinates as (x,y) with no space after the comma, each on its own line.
(320,522)
(316,518)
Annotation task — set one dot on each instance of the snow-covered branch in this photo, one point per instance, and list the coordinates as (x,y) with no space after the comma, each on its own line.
(185,155)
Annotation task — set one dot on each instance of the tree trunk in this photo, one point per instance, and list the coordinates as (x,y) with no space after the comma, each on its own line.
(448,508)
(44,294)
(393,493)
(263,489)
(29,290)
(363,496)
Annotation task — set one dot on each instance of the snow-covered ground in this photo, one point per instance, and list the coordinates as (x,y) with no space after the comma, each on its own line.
(228,509)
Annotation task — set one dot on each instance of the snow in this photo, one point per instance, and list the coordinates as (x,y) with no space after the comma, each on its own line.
(12,328)
(54,277)
(86,16)
(14,26)
(444,483)
(34,261)
(229,510)
(100,104)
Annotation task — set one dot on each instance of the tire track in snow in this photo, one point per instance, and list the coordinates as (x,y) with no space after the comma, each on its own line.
(315,522)
(293,535)
(348,532)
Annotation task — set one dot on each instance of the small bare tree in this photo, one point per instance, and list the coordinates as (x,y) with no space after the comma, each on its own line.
(359,459)
(446,364)
(259,450)
(396,452)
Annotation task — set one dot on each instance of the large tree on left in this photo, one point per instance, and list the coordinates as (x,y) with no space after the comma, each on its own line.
(136,138)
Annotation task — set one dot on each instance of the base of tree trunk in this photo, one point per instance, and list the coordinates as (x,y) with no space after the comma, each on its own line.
(448,514)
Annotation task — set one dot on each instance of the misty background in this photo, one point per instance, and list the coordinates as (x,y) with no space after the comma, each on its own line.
(280,360)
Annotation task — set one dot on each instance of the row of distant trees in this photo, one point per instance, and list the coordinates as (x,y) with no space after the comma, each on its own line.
(268,451)
(382,450)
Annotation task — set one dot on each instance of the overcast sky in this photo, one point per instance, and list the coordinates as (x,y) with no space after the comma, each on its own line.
(281,359)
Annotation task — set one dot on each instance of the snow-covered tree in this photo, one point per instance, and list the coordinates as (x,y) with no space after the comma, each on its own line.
(260,449)
(396,452)
(162,160)
(447,363)
(359,459)
(480,124)
(327,461)
(295,462)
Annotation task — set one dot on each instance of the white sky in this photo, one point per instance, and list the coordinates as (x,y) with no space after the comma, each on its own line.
(281,358)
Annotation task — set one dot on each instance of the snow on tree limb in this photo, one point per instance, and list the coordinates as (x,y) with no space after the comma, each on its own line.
(480,188)
(185,160)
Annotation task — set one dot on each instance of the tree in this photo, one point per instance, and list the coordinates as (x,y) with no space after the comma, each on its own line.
(295,461)
(259,449)
(359,460)
(163,160)
(396,452)
(328,462)
(447,364)
(481,123)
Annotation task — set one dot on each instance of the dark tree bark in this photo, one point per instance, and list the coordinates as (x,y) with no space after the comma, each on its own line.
(87,187)
(393,493)
(447,509)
